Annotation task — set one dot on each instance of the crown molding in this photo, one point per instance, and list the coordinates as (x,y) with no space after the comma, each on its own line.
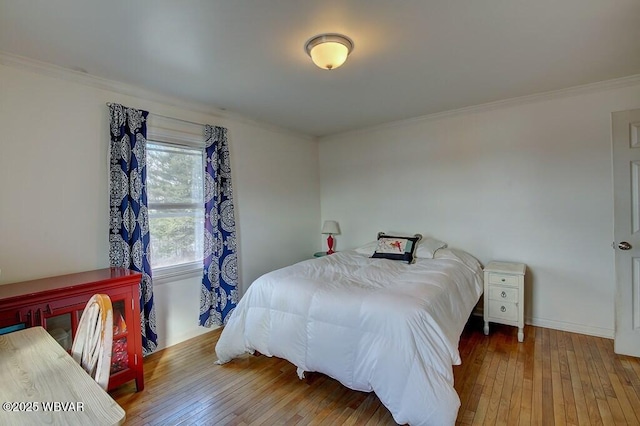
(47,69)
(616,83)
(56,71)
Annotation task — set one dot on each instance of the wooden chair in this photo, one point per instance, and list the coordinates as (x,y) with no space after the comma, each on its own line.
(94,337)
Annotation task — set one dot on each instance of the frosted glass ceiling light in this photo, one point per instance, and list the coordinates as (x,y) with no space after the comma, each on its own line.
(329,51)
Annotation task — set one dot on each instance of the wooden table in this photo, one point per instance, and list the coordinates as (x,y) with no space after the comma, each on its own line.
(40,383)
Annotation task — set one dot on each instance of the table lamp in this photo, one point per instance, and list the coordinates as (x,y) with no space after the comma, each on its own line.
(332,228)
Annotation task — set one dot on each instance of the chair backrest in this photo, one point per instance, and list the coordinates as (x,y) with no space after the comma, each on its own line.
(94,338)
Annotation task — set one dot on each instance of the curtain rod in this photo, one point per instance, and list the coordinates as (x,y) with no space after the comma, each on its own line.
(170,118)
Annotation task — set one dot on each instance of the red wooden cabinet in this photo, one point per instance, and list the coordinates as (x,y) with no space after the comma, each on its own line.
(56,303)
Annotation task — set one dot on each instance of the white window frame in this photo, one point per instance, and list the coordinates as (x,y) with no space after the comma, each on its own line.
(181,134)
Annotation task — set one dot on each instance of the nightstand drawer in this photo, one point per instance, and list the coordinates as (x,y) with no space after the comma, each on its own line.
(503,310)
(503,279)
(505,294)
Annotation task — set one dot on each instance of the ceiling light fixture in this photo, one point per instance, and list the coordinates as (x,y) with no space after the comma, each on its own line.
(329,51)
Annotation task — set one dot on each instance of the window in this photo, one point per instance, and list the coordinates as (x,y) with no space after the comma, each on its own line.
(176,207)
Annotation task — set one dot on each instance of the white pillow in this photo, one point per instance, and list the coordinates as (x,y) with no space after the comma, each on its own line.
(428,247)
(368,248)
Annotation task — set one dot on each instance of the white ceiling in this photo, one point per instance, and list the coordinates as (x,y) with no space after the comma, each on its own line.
(411,57)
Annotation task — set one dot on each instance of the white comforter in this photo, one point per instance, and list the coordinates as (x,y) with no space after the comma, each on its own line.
(373,324)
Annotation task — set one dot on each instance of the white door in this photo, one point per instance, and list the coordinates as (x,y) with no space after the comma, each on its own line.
(626,184)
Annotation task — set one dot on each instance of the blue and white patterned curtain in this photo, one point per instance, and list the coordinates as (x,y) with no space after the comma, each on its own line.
(219,291)
(129,217)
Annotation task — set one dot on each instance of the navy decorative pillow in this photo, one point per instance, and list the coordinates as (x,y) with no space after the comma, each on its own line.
(397,247)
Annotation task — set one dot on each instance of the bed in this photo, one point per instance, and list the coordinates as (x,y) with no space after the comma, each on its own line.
(373,324)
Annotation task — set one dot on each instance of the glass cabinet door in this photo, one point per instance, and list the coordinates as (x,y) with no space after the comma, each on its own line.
(61,321)
(60,327)
(120,353)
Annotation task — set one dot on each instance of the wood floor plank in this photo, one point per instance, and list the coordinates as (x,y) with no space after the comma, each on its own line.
(487,388)
(626,414)
(363,413)
(471,380)
(525,409)
(514,407)
(635,367)
(546,410)
(632,392)
(603,367)
(507,393)
(565,349)
(585,379)
(556,381)
(579,400)
(551,378)
(497,387)
(465,375)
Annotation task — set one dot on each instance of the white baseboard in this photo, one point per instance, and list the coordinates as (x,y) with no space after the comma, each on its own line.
(189,334)
(572,327)
(607,333)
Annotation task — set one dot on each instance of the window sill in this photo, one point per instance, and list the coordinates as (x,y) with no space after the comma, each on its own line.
(176,273)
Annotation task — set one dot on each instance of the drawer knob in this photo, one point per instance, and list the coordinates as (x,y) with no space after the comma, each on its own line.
(503,280)
(503,309)
(503,294)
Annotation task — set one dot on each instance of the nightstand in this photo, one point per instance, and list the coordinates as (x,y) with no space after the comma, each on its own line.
(504,295)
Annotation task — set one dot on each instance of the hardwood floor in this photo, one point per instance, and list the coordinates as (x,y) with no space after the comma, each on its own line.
(553,378)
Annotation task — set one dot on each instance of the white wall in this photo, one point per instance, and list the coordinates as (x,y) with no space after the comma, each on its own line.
(527,180)
(54,137)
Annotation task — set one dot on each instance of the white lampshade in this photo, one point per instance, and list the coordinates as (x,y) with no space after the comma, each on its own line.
(331,227)
(329,51)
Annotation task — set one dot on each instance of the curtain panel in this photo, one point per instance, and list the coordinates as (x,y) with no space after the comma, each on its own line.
(219,290)
(129,216)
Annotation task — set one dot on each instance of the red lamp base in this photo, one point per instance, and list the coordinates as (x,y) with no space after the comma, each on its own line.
(330,244)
